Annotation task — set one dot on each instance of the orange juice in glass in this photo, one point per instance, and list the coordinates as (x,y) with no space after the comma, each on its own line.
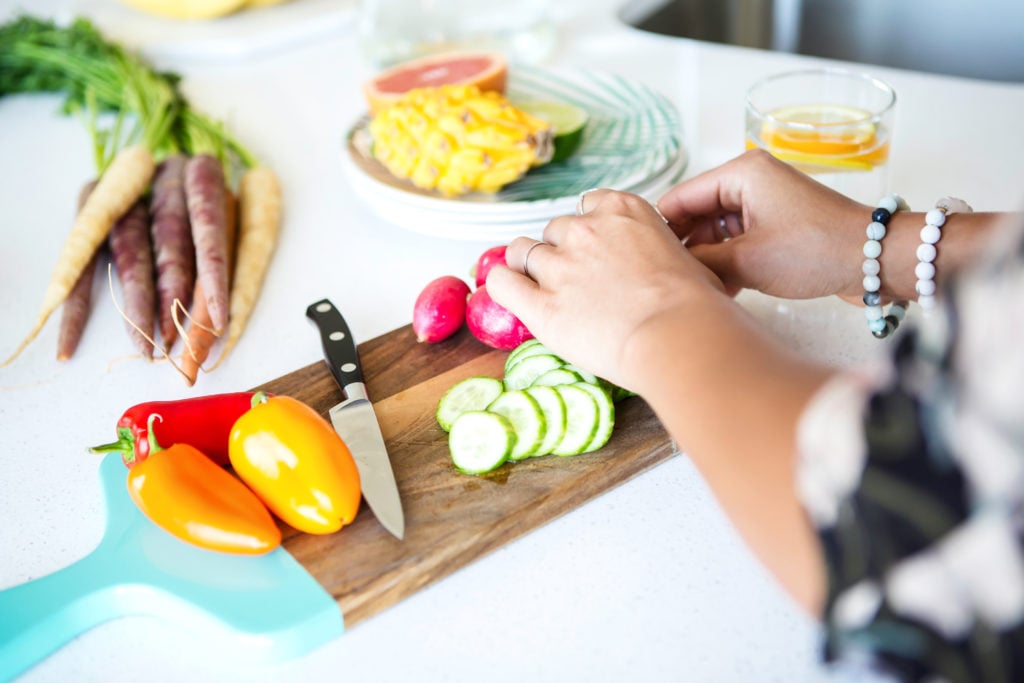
(831,123)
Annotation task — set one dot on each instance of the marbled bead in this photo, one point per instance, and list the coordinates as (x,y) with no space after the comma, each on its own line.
(873,312)
(890,203)
(924,270)
(872,283)
(876,230)
(926,252)
(872,249)
(898,310)
(876,326)
(930,234)
(872,299)
(871,266)
(936,217)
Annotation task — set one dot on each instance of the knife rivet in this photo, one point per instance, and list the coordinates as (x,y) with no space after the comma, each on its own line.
(336,336)
(348,367)
(323,307)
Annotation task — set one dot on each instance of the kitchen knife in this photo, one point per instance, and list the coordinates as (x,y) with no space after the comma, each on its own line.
(354,419)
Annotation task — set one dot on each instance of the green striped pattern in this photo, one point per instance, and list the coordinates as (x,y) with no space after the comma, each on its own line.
(633,134)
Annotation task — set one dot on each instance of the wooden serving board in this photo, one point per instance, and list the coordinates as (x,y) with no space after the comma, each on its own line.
(451,518)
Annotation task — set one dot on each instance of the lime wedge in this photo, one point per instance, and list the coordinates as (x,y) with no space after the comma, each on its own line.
(567,121)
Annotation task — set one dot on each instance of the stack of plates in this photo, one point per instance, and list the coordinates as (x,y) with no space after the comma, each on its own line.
(631,142)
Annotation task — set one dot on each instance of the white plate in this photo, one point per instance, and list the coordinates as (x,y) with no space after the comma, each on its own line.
(632,142)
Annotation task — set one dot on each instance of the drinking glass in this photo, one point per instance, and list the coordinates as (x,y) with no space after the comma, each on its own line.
(834,124)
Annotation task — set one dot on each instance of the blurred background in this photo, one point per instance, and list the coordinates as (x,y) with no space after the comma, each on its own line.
(980,39)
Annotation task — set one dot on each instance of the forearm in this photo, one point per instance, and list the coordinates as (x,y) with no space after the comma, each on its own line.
(732,407)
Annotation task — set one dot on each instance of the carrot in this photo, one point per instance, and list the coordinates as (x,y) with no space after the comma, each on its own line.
(259,198)
(173,249)
(204,191)
(132,253)
(200,337)
(75,310)
(124,181)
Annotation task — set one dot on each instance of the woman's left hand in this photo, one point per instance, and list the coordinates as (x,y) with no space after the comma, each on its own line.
(597,278)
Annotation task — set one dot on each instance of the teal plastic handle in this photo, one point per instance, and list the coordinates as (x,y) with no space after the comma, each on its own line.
(139,569)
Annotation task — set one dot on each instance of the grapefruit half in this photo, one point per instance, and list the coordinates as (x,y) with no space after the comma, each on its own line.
(486,70)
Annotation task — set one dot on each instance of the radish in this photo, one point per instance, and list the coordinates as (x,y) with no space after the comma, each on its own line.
(494,324)
(440,309)
(487,260)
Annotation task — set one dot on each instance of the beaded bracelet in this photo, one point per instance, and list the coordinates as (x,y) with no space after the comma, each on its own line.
(931,233)
(880,323)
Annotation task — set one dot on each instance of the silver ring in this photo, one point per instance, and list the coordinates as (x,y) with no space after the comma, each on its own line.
(579,200)
(526,258)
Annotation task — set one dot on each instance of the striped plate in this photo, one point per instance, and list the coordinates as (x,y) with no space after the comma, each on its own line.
(631,142)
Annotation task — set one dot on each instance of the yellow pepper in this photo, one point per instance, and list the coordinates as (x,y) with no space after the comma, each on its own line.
(292,458)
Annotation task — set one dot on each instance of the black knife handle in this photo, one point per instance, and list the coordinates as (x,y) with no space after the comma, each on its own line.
(339,346)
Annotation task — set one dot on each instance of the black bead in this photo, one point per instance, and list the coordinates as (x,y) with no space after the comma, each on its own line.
(892,321)
(885,331)
(872,298)
(881,215)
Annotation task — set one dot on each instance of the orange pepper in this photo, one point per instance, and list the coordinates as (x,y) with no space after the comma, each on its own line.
(296,463)
(188,495)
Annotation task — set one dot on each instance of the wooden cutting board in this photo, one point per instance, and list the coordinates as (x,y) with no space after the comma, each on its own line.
(451,518)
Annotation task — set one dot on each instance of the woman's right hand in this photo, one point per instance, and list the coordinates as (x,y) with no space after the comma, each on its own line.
(760,224)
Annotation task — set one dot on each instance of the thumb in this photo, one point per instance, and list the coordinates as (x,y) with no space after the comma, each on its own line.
(516,292)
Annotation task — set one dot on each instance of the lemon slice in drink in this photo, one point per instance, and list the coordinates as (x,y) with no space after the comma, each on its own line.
(567,121)
(820,129)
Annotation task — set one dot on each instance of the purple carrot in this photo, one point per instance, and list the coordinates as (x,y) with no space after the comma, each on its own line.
(75,310)
(173,249)
(132,252)
(204,190)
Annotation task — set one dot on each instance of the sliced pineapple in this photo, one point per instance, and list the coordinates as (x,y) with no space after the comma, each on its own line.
(458,139)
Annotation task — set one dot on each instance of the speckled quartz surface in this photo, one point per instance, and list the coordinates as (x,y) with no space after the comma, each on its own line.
(648,582)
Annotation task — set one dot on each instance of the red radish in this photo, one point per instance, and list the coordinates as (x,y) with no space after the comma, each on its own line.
(172,243)
(204,191)
(487,260)
(440,309)
(132,253)
(492,323)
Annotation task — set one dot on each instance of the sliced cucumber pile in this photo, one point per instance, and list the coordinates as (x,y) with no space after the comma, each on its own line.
(543,406)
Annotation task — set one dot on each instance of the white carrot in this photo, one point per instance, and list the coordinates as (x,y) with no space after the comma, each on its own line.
(259,207)
(124,181)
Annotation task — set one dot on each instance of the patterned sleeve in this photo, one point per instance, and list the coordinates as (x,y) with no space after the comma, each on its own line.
(913,475)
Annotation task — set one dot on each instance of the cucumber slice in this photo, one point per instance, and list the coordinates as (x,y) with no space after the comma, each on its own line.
(553,407)
(514,353)
(529,369)
(561,375)
(480,441)
(527,419)
(473,393)
(581,419)
(537,349)
(588,377)
(605,416)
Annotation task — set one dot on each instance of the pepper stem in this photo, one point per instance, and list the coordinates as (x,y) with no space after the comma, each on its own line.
(258,398)
(154,447)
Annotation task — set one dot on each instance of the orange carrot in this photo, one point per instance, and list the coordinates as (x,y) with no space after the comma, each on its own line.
(201,337)
(259,198)
(124,181)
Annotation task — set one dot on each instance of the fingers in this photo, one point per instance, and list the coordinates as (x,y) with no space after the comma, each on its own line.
(523,255)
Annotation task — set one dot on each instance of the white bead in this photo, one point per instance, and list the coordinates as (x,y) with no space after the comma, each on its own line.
(930,234)
(924,271)
(876,230)
(873,312)
(871,266)
(925,287)
(897,311)
(936,217)
(873,248)
(876,325)
(926,252)
(926,301)
(872,283)
(890,203)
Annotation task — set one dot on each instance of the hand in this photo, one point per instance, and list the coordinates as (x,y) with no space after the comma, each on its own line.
(597,278)
(788,235)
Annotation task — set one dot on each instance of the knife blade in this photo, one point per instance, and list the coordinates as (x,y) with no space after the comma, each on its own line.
(355,420)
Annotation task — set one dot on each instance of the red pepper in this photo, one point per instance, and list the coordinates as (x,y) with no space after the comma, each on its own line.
(204,422)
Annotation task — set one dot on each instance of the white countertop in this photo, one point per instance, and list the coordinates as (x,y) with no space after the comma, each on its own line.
(648,582)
